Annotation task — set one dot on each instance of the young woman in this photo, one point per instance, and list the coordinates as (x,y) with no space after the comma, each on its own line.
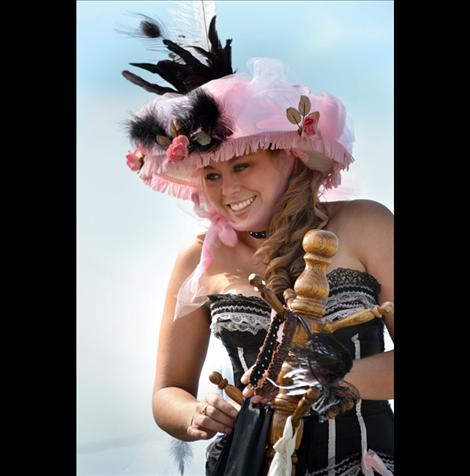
(254,153)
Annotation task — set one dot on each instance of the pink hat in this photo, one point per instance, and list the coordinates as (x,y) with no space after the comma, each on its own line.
(232,115)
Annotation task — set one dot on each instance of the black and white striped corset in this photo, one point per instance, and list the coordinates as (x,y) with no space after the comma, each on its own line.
(241,322)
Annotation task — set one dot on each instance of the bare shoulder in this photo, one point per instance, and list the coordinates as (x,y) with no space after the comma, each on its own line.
(190,254)
(358,212)
(365,229)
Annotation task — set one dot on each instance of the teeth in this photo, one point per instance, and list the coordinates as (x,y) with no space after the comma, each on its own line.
(241,205)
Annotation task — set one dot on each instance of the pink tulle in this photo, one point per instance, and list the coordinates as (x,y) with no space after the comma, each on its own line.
(192,293)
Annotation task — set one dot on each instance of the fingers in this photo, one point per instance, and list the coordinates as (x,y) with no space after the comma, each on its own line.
(219,416)
(246,376)
(196,434)
(259,399)
(221,410)
(249,392)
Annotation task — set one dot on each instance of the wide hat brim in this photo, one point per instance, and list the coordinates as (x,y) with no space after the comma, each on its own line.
(255,109)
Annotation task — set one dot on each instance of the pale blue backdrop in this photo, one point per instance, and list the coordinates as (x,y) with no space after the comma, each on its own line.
(128,235)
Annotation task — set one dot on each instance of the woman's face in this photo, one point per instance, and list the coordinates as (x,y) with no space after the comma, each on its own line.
(245,189)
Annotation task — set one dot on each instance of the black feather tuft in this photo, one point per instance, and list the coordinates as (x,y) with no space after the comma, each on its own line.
(205,114)
(150,28)
(329,360)
(145,129)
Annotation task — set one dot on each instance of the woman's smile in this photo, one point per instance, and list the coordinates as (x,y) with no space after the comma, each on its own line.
(241,206)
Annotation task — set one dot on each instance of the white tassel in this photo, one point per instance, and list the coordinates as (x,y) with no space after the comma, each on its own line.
(281,465)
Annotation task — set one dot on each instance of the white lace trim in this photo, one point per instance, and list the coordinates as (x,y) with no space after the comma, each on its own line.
(239,321)
(348,303)
(350,466)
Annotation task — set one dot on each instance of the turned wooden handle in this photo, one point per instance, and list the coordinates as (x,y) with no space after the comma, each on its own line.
(386,309)
(359,317)
(304,404)
(266,293)
(233,392)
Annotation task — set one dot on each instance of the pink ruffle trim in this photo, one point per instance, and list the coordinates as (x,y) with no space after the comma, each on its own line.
(153,171)
(178,190)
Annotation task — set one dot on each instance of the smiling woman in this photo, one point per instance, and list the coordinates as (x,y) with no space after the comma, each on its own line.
(246,189)
(254,153)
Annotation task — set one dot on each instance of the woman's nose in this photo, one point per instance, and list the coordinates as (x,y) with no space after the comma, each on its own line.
(230,186)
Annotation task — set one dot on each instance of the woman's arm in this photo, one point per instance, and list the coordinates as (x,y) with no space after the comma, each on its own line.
(370,233)
(373,376)
(182,349)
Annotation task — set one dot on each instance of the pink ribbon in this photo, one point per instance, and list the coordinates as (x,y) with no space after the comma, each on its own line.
(372,461)
(220,228)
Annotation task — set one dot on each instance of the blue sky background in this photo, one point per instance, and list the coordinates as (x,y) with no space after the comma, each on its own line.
(128,235)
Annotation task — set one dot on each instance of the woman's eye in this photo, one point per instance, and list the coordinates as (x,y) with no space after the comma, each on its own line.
(240,167)
(212,177)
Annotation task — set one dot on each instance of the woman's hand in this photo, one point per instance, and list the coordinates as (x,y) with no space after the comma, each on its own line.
(214,414)
(248,391)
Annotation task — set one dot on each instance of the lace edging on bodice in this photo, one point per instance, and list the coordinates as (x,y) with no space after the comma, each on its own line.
(350,291)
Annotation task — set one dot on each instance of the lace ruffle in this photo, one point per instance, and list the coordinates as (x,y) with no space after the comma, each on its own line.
(350,291)
(339,277)
(239,321)
(350,466)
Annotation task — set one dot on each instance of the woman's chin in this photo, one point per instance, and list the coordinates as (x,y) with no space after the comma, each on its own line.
(249,225)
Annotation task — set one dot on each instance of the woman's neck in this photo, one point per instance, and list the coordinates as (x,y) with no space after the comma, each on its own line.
(250,241)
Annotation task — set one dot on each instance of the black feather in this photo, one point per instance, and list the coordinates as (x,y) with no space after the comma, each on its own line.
(172,73)
(205,114)
(184,71)
(329,360)
(190,60)
(150,28)
(145,129)
(214,37)
(147,66)
(150,87)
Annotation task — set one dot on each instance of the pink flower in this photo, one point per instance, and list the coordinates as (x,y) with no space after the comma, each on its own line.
(178,149)
(135,160)
(310,123)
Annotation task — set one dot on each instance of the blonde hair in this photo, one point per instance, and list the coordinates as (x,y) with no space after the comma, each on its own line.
(297,211)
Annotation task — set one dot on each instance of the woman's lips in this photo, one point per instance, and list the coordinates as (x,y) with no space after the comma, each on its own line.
(243,210)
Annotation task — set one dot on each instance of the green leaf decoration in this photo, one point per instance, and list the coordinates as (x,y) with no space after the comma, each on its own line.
(293,115)
(173,130)
(304,105)
(177,127)
(203,138)
(163,141)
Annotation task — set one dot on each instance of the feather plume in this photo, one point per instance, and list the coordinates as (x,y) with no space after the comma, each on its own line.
(181,451)
(194,28)
(150,87)
(144,129)
(194,18)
